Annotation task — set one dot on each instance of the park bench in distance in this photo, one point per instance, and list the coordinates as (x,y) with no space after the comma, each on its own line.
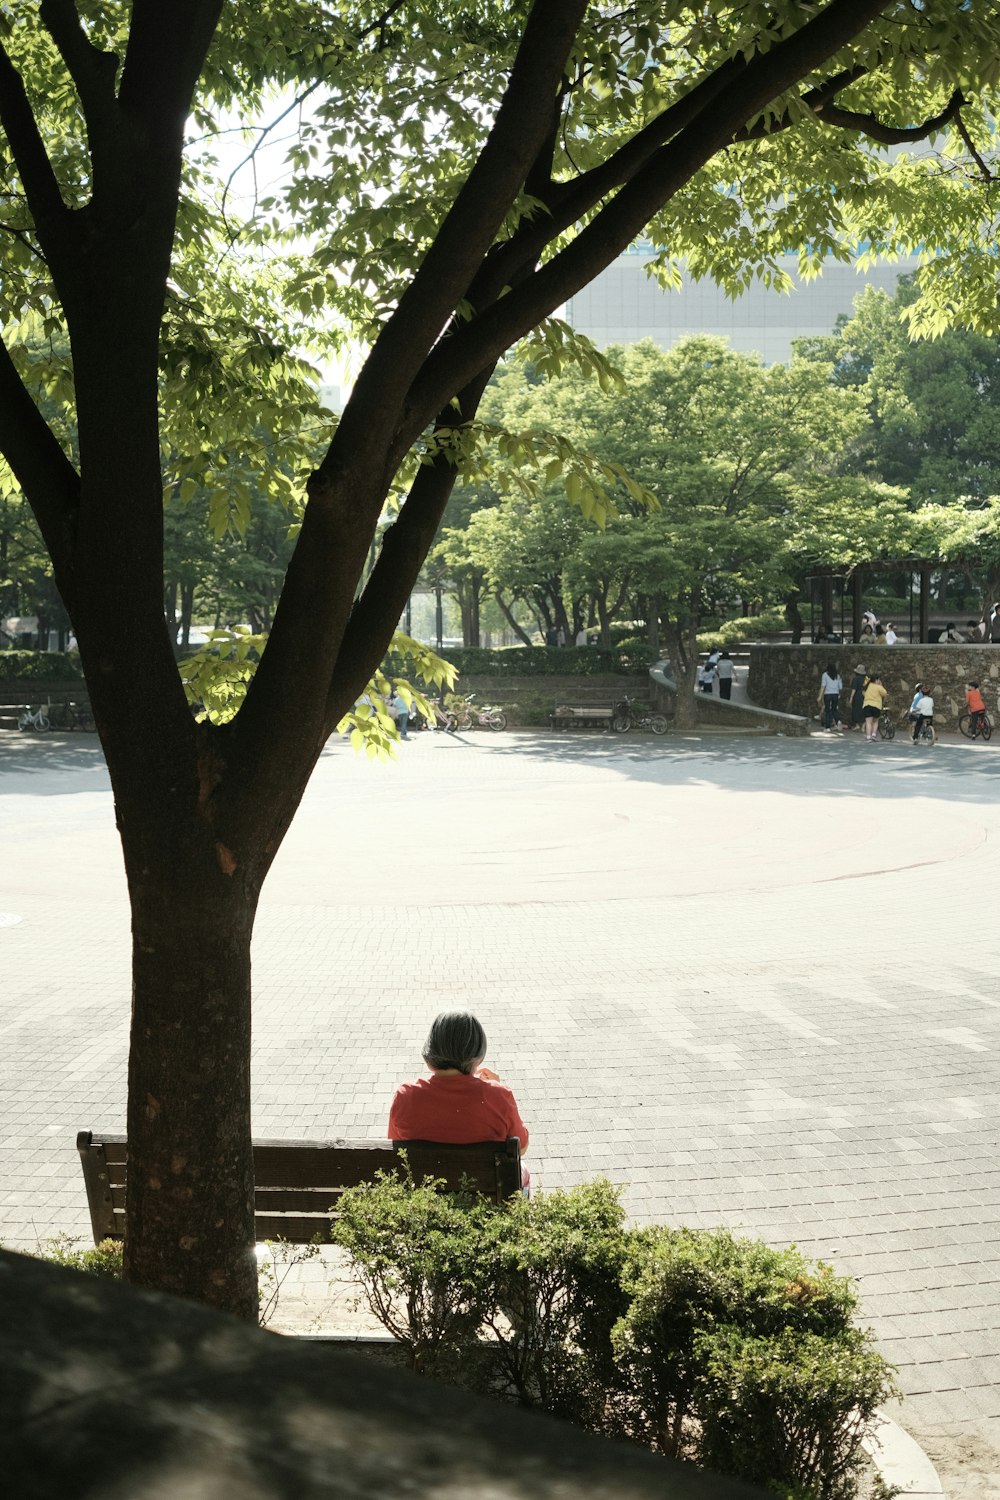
(581,715)
(298,1182)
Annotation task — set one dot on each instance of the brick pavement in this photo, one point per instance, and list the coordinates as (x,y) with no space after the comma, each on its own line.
(754,982)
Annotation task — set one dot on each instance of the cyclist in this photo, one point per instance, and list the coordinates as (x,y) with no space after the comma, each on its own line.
(924,715)
(977,708)
(873,704)
(918,693)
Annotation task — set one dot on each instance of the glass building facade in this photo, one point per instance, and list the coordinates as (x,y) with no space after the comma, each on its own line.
(623,305)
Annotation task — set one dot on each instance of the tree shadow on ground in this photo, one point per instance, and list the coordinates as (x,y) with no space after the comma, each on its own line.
(953,770)
(28,760)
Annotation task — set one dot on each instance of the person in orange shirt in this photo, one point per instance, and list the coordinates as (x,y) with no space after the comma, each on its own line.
(977,707)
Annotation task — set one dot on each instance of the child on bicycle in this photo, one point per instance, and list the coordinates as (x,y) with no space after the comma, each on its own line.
(923,707)
(977,708)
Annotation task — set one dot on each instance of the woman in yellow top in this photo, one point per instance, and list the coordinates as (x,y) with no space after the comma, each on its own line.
(872,705)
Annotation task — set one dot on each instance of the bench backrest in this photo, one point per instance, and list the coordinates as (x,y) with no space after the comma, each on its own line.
(299,1182)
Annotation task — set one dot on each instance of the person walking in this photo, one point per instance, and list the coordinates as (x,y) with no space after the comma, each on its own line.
(873,704)
(725,671)
(858,684)
(831,686)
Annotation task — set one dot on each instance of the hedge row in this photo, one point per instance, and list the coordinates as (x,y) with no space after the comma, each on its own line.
(536,661)
(39,666)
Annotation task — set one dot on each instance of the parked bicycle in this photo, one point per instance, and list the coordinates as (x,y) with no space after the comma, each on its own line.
(471,715)
(37,720)
(886,725)
(628,714)
(974,731)
(70,715)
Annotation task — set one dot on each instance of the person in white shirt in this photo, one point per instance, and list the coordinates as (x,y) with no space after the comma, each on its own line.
(831,686)
(890,635)
(725,671)
(923,707)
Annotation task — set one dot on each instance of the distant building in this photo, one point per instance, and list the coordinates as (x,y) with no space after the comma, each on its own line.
(623,305)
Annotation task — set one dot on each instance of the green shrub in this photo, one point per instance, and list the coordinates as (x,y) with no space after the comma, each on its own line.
(686,1283)
(38,666)
(417,1253)
(535,661)
(791,1410)
(104,1259)
(746,628)
(695,1343)
(555,1263)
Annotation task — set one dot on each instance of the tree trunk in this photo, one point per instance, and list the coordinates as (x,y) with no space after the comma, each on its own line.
(522,635)
(602,615)
(683,645)
(794,617)
(189,1090)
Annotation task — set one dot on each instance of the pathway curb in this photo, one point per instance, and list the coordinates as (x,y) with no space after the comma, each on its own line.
(902,1462)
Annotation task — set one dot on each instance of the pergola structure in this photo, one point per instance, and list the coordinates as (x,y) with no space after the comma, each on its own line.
(824,583)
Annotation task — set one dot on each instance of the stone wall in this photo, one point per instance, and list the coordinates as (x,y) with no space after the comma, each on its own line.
(788,677)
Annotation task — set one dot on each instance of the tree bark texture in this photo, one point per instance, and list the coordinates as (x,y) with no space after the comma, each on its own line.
(190,1172)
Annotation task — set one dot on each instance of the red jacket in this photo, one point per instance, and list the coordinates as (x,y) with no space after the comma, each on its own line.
(457,1108)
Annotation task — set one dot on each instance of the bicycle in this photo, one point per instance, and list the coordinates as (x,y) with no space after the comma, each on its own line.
(471,716)
(70,715)
(973,731)
(627,715)
(37,720)
(886,725)
(925,733)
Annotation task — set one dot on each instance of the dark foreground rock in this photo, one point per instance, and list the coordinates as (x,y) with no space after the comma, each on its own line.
(110,1392)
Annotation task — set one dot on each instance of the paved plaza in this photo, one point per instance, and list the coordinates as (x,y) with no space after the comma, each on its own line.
(753,981)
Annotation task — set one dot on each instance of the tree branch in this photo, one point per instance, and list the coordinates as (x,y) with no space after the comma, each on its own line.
(890,135)
(166,51)
(522,125)
(404,547)
(50,483)
(963,131)
(614,227)
(17,118)
(92,71)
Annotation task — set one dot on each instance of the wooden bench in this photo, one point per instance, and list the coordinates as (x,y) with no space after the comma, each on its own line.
(582,715)
(299,1182)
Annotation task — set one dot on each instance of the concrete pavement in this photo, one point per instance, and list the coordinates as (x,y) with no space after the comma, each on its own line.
(754,982)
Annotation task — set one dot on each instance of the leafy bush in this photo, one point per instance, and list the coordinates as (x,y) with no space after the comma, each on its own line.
(791,1410)
(38,666)
(416,1253)
(555,1265)
(746,628)
(695,1343)
(685,1285)
(104,1259)
(535,661)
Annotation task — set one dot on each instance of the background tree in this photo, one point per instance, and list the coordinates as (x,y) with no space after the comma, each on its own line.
(935,414)
(457,176)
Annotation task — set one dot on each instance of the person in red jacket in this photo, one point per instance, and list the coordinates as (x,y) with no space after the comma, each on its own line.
(977,707)
(461,1101)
